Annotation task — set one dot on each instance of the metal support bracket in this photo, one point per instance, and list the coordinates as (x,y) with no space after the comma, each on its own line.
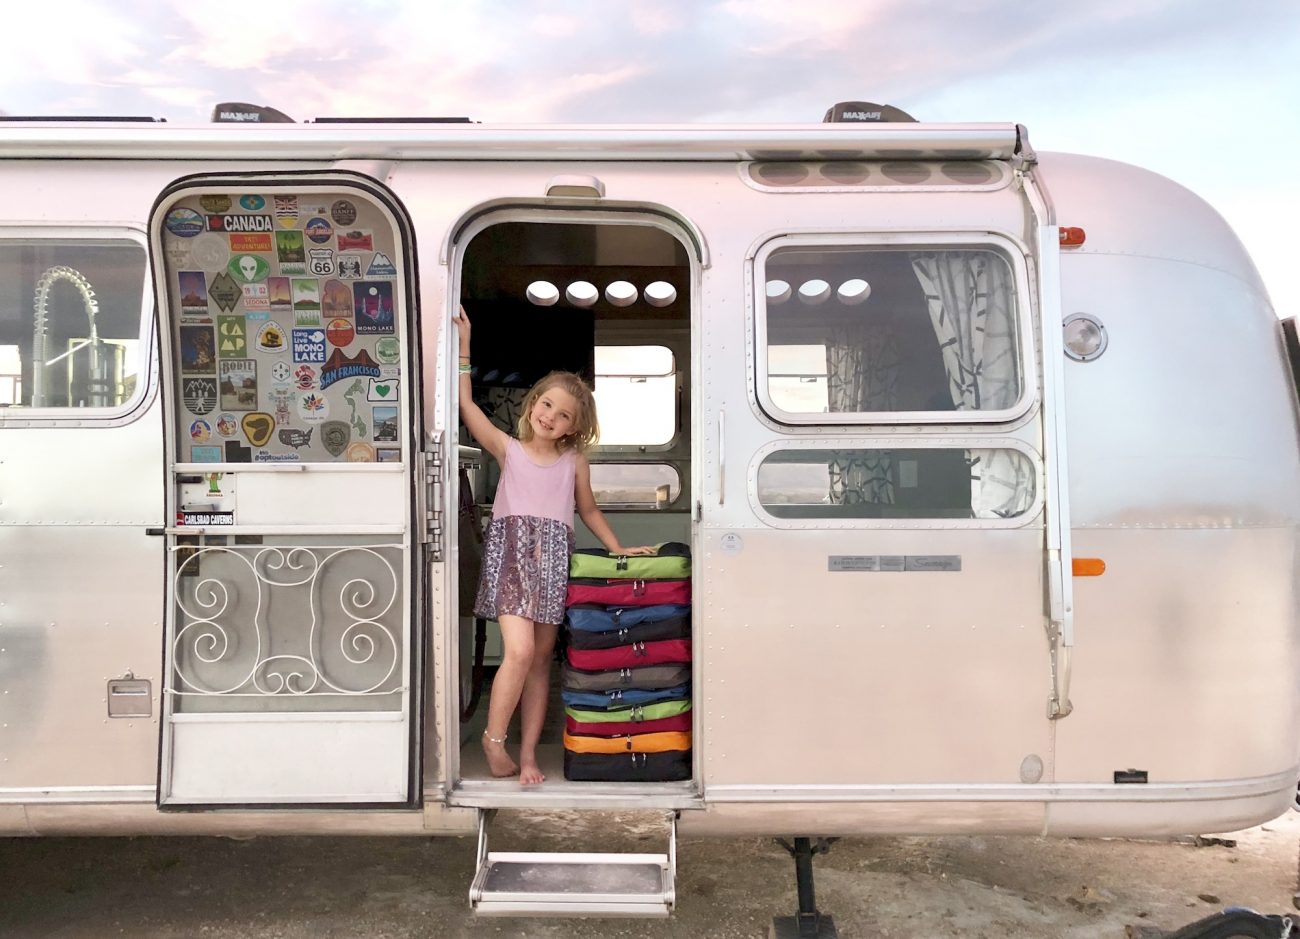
(431,470)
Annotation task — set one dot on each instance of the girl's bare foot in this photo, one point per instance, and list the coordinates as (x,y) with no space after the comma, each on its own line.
(499,762)
(529,773)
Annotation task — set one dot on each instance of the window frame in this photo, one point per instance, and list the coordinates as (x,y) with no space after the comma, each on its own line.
(146,386)
(611,453)
(878,442)
(1013,252)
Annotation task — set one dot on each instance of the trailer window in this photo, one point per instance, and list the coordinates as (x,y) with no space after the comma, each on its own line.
(889,333)
(636,396)
(868,483)
(71,321)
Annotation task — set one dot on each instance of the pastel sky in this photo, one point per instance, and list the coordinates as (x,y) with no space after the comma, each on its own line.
(1206,92)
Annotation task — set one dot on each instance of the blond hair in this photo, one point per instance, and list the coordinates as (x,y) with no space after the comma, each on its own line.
(586,429)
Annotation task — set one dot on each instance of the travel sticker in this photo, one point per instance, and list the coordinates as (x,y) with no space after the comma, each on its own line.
(210,252)
(306,299)
(241,243)
(257,297)
(295,437)
(184,223)
(258,427)
(322,261)
(286,211)
(248,268)
(205,454)
(340,332)
(270,456)
(343,212)
(291,252)
(225,292)
(340,367)
(334,436)
(318,230)
(350,266)
(382,389)
(313,407)
(304,377)
(356,240)
(281,373)
(232,337)
(239,223)
(216,204)
(385,418)
(281,400)
(309,345)
(387,350)
(381,266)
(336,300)
(361,453)
(227,426)
(198,351)
(252,203)
(388,455)
(194,291)
(178,253)
(271,338)
(373,300)
(238,384)
(279,295)
(236,452)
(199,395)
(200,431)
(358,423)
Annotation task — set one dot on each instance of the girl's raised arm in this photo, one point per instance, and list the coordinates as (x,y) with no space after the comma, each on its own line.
(488,435)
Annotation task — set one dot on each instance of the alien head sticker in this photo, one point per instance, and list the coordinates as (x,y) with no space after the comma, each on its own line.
(248,268)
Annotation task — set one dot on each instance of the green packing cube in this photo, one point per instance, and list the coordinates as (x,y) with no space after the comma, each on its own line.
(671,561)
(644,712)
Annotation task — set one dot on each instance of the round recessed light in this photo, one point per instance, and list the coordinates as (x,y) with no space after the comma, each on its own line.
(853,291)
(542,293)
(778,291)
(620,293)
(814,291)
(582,293)
(660,293)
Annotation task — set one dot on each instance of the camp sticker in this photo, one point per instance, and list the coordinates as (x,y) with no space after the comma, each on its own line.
(232,337)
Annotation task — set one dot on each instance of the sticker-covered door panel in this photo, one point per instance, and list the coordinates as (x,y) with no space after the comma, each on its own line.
(286,307)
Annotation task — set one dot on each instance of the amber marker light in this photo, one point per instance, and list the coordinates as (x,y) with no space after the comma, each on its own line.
(1072,237)
(1088,567)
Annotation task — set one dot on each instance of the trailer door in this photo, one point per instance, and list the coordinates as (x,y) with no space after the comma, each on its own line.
(290,354)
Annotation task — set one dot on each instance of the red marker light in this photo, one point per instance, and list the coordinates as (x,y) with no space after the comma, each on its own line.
(1072,237)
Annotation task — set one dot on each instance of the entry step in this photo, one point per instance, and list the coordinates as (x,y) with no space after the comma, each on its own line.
(534,883)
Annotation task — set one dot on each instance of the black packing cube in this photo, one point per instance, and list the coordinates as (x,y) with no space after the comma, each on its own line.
(678,627)
(669,766)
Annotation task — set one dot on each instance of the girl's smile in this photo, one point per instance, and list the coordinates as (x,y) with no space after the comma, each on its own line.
(554,415)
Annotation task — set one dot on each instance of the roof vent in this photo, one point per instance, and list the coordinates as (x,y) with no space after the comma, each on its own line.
(237,112)
(865,112)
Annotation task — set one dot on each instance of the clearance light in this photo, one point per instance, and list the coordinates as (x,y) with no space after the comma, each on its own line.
(1088,567)
(1072,237)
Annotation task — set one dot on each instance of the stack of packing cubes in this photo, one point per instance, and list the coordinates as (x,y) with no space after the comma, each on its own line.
(627,672)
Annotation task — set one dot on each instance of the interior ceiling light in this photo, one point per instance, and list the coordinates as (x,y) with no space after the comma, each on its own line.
(778,291)
(581,293)
(620,293)
(853,291)
(542,293)
(814,291)
(660,293)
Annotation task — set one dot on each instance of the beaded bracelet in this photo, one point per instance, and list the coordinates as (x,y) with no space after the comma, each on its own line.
(465,368)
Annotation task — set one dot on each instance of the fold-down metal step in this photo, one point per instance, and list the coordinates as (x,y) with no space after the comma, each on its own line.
(520,883)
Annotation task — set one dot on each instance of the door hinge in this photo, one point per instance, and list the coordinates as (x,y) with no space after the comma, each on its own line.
(431,531)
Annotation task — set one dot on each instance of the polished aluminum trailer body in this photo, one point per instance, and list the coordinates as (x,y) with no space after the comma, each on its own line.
(861,673)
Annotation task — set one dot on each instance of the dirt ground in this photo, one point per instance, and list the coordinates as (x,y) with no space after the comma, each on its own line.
(321,888)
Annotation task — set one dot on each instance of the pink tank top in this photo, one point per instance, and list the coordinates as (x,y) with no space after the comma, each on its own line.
(529,488)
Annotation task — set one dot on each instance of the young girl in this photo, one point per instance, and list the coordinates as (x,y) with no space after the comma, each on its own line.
(526,559)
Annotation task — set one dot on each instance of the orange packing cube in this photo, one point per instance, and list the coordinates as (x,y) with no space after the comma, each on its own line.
(633,743)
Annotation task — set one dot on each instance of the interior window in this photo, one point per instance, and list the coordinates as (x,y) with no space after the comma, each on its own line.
(636,395)
(635,485)
(855,330)
(917,483)
(70,322)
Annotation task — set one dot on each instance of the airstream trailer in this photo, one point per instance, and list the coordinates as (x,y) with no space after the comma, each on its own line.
(987,461)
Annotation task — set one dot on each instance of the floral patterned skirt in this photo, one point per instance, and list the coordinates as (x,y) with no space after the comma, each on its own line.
(525,569)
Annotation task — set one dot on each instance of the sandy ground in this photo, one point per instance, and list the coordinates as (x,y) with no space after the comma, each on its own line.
(296,888)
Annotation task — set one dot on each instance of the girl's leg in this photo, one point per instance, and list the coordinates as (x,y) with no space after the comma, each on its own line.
(536,695)
(516,660)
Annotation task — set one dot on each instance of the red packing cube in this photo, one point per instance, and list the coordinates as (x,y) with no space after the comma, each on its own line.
(663,652)
(629,592)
